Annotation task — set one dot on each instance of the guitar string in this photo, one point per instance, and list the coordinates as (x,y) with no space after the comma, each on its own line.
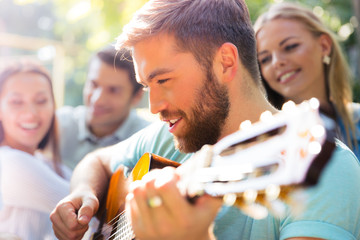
(110,224)
(123,226)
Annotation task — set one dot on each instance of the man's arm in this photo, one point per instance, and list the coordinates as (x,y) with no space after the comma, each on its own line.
(89,182)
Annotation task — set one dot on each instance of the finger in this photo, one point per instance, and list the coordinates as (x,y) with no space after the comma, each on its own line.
(166,187)
(160,213)
(136,205)
(87,210)
(64,234)
(66,215)
(65,224)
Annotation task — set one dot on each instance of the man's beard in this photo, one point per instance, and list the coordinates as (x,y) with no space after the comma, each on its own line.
(207,118)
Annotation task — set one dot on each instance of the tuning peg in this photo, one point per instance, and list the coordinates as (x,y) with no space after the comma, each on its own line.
(254,210)
(250,196)
(246,203)
(230,199)
(314,103)
(276,207)
(314,147)
(245,125)
(272,192)
(289,105)
(266,116)
(317,131)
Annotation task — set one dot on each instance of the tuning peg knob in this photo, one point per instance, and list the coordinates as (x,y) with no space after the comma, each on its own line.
(250,196)
(272,192)
(289,105)
(314,103)
(245,125)
(229,199)
(254,210)
(266,116)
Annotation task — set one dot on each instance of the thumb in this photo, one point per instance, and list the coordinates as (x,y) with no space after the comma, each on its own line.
(87,210)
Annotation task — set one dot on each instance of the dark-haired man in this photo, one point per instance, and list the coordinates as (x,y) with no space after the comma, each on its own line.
(107,117)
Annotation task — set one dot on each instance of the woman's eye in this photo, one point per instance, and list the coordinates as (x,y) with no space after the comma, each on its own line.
(291,46)
(41,101)
(264,60)
(16,102)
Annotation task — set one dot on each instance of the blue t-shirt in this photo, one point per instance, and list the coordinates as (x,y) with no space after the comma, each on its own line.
(153,139)
(332,206)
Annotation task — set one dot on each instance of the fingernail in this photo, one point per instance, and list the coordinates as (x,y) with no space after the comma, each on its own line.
(83,218)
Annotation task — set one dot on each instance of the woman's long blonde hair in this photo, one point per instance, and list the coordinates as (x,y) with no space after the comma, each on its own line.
(51,139)
(337,73)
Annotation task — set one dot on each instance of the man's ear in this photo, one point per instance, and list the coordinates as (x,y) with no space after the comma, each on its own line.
(228,58)
(326,44)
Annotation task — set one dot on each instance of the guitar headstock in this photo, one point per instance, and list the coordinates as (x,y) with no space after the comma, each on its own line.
(264,161)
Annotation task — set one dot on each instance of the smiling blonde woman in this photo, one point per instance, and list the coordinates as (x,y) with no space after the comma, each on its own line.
(300,58)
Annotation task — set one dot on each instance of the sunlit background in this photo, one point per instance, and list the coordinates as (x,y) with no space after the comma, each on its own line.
(64,33)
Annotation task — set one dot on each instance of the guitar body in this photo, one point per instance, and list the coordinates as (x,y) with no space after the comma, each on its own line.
(115,201)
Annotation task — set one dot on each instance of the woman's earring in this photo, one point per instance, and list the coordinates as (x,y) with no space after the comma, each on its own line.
(326,59)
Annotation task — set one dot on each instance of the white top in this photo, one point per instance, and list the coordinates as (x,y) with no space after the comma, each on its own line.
(30,190)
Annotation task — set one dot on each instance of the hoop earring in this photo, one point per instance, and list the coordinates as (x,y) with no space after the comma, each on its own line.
(326,59)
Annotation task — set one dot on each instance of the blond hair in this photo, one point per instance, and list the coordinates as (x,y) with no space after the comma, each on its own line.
(337,73)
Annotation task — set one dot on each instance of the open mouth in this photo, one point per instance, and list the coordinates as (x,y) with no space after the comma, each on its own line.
(29,126)
(172,122)
(287,76)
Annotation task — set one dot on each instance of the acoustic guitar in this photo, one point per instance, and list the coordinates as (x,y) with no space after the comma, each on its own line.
(255,168)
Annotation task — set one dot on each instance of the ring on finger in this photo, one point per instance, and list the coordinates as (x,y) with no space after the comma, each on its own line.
(154,202)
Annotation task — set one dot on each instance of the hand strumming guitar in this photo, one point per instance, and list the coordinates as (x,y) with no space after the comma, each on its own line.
(158,210)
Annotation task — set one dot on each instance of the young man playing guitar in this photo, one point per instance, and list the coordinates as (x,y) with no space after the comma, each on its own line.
(197,59)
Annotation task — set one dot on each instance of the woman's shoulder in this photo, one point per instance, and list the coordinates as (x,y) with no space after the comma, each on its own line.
(7,151)
(12,157)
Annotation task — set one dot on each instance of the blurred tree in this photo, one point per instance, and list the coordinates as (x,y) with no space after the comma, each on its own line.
(83,26)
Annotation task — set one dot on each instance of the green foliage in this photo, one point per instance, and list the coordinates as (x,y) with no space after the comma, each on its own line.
(84,26)
(105,20)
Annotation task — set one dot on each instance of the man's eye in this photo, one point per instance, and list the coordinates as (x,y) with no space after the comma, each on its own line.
(115,90)
(162,81)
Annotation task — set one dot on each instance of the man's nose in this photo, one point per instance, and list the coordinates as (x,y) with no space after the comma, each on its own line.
(157,102)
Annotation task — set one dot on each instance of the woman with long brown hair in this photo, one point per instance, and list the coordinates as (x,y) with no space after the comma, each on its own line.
(32,177)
